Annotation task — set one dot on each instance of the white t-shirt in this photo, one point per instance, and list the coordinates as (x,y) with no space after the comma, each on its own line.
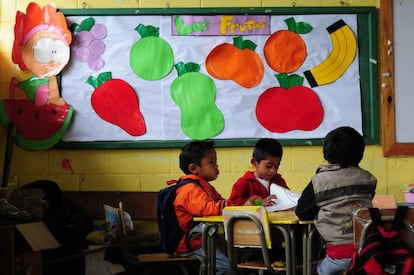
(264,182)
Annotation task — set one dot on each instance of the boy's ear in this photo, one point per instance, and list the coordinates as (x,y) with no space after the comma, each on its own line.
(253,161)
(193,168)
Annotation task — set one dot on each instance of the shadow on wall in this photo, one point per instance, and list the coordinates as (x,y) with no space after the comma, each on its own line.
(7,72)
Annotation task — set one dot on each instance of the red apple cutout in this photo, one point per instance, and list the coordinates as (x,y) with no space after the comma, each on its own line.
(289,107)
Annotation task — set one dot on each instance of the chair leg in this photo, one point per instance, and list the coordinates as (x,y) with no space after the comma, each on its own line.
(183,269)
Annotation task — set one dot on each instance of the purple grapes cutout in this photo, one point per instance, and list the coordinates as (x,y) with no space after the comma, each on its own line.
(88,45)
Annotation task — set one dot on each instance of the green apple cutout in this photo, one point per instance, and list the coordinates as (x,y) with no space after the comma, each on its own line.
(151,57)
(195,94)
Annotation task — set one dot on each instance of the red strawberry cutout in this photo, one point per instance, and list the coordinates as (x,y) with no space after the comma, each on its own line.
(116,102)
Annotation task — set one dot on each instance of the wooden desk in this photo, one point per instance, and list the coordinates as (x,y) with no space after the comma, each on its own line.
(211,219)
(282,220)
(282,217)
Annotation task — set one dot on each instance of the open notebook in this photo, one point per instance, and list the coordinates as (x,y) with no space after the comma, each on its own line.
(285,198)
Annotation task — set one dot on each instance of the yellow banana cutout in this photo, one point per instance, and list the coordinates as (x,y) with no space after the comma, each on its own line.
(344,46)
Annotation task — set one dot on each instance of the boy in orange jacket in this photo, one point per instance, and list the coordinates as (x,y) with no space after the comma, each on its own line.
(198,161)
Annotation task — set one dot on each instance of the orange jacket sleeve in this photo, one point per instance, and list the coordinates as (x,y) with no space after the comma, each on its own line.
(195,200)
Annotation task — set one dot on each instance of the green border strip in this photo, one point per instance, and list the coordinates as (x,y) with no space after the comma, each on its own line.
(368,66)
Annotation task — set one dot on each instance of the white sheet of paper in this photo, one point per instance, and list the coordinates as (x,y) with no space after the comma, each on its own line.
(285,198)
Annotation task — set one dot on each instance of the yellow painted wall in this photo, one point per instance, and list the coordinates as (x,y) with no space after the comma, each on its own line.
(148,169)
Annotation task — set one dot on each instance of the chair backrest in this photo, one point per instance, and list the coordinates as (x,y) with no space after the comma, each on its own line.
(129,259)
(362,222)
(122,224)
(384,201)
(247,226)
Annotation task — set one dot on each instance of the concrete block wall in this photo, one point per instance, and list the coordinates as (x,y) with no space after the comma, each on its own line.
(148,169)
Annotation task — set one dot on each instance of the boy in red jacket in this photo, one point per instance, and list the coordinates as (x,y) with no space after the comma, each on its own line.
(267,155)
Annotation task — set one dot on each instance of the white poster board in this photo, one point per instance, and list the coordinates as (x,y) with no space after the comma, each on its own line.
(341,100)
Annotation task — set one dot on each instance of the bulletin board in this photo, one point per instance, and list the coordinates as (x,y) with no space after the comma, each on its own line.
(396,42)
(239,118)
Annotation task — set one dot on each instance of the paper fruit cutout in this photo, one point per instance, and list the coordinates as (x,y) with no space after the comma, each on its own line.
(289,107)
(151,57)
(195,94)
(285,50)
(115,101)
(344,47)
(88,45)
(37,127)
(238,62)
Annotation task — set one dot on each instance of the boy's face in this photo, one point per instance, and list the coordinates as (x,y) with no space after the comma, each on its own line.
(208,169)
(267,168)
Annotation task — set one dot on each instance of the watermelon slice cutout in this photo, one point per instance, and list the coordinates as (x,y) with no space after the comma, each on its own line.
(37,127)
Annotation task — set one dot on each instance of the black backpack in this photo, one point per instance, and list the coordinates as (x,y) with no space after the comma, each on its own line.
(383,251)
(170,231)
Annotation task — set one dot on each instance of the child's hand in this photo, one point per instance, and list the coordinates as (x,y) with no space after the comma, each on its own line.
(253,200)
(269,200)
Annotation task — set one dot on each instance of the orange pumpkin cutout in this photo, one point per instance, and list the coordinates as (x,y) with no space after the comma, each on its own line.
(238,62)
(285,50)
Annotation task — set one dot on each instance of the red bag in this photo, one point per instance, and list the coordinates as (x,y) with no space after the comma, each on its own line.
(383,251)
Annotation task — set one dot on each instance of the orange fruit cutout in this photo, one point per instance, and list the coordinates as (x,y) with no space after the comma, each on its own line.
(238,62)
(285,50)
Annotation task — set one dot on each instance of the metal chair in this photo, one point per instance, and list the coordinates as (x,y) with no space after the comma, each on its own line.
(145,263)
(248,227)
(362,222)
(313,249)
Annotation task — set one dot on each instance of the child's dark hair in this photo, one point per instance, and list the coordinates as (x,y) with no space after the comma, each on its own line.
(193,152)
(266,147)
(344,146)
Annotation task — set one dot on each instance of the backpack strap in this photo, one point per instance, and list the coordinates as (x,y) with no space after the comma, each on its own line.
(398,219)
(187,181)
(375,216)
(182,182)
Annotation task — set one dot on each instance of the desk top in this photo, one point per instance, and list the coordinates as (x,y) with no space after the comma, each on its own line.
(280,217)
(213,219)
(283,217)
